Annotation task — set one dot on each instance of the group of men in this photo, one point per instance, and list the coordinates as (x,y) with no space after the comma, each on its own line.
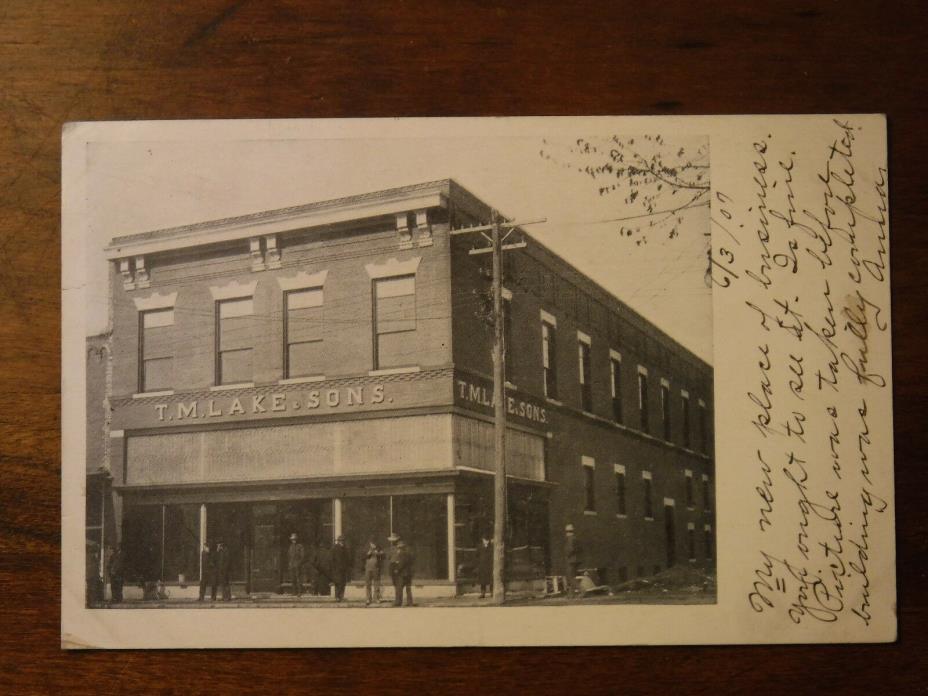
(216,566)
(112,574)
(401,568)
(215,571)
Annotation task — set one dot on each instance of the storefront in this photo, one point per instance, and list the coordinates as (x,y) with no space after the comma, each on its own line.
(426,477)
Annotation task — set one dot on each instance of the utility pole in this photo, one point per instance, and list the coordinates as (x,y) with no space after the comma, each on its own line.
(497,247)
(499,420)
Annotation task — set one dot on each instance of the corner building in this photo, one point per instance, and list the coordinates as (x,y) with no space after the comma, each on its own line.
(325,369)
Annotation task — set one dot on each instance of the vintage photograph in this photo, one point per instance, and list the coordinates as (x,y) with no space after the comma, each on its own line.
(294,351)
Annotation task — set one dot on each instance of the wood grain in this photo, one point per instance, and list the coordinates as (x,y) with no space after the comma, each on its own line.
(117,59)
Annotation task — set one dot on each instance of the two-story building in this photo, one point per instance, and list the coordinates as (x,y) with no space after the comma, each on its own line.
(325,370)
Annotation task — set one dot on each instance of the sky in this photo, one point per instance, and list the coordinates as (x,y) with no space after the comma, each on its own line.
(137,186)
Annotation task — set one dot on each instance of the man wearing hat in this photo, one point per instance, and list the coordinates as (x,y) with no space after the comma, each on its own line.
(295,555)
(221,576)
(572,553)
(373,563)
(401,560)
(341,567)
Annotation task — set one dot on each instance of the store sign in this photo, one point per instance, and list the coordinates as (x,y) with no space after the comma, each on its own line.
(291,402)
(471,392)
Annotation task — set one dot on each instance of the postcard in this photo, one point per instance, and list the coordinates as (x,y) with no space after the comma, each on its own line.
(476,382)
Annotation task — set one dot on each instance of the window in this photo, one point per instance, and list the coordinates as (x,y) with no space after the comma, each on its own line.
(235,340)
(303,347)
(589,487)
(615,363)
(421,520)
(689,488)
(665,408)
(648,503)
(707,541)
(156,352)
(691,540)
(161,542)
(549,358)
(394,322)
(507,338)
(703,430)
(707,504)
(685,410)
(643,397)
(586,378)
(620,489)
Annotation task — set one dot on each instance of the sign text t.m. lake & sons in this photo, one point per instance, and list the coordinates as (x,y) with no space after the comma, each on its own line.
(278,402)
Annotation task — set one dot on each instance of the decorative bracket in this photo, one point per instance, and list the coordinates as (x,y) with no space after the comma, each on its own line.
(402,229)
(134,274)
(423,228)
(265,254)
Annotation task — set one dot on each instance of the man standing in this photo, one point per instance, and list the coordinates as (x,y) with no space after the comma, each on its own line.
(373,564)
(572,552)
(207,571)
(401,562)
(295,558)
(341,567)
(115,571)
(222,572)
(94,581)
(485,565)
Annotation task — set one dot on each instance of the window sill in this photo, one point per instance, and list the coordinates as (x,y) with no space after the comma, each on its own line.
(394,371)
(590,512)
(227,387)
(148,395)
(620,516)
(690,508)
(648,519)
(589,414)
(302,380)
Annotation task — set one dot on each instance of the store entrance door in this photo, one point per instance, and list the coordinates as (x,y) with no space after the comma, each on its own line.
(265,560)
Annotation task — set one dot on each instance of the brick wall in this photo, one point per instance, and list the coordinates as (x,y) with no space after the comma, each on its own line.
(347,332)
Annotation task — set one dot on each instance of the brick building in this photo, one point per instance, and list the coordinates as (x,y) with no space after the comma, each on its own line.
(325,369)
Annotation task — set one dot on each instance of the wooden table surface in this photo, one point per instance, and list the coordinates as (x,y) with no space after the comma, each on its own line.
(117,59)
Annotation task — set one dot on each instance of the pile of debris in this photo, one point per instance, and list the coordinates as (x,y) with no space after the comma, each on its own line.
(692,579)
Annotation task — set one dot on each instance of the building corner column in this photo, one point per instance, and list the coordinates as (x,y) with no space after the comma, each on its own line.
(202,535)
(452,551)
(336,518)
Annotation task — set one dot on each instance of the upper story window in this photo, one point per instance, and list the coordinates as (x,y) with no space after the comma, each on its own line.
(589,484)
(507,334)
(395,322)
(303,324)
(703,427)
(156,349)
(615,374)
(621,508)
(685,410)
(235,340)
(648,495)
(706,493)
(549,353)
(665,409)
(643,397)
(689,488)
(586,377)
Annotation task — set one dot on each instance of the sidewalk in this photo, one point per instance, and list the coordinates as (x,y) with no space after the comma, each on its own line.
(466,600)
